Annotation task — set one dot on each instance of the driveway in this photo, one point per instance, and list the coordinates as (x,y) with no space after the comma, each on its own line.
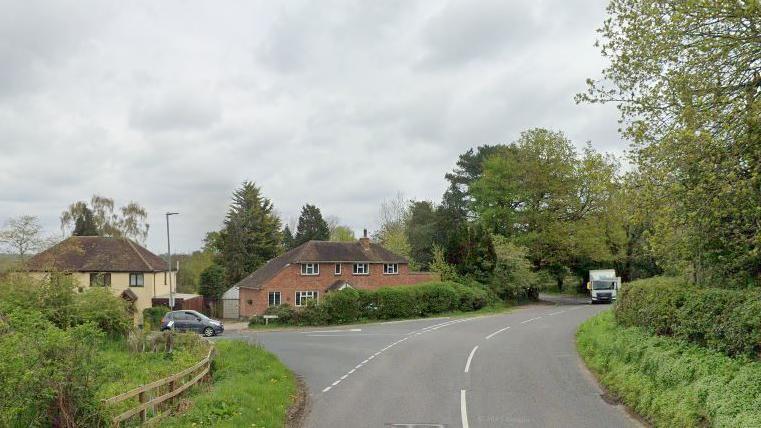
(516,369)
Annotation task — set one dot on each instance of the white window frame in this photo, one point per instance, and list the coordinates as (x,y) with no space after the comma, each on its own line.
(337,269)
(137,275)
(277,300)
(391,269)
(301,297)
(310,269)
(365,269)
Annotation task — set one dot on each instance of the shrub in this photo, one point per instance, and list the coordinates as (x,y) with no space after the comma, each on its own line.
(437,298)
(397,302)
(472,298)
(285,313)
(652,303)
(342,306)
(152,317)
(728,321)
(100,307)
(314,313)
(47,373)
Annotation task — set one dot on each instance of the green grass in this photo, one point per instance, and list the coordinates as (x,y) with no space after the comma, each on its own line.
(124,370)
(250,388)
(670,382)
(486,310)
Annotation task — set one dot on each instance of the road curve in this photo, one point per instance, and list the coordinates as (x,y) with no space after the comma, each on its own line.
(516,369)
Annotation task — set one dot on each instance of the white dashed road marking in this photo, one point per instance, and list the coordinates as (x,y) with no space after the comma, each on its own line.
(463,409)
(529,320)
(497,332)
(415,332)
(470,358)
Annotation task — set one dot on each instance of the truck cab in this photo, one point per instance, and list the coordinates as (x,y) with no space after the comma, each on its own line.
(603,285)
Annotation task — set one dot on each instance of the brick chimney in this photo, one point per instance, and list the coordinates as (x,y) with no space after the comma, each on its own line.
(365,241)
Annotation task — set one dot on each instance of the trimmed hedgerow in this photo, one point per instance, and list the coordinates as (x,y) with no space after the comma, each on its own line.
(671,382)
(724,320)
(349,305)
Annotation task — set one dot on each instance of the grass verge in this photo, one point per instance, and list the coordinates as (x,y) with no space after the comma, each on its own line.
(250,388)
(486,310)
(670,382)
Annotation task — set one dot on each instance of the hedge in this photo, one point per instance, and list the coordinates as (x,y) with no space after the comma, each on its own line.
(723,320)
(670,382)
(350,305)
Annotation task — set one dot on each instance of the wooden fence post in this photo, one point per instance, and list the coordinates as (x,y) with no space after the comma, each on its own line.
(141,398)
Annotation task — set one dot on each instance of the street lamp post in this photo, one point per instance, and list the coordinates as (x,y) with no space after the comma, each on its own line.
(169,262)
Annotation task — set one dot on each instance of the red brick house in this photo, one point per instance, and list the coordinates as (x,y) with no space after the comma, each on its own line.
(315,268)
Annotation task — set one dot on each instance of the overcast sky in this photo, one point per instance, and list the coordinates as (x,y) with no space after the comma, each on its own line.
(341,104)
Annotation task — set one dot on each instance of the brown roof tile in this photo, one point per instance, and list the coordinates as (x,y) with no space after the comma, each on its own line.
(96,254)
(320,252)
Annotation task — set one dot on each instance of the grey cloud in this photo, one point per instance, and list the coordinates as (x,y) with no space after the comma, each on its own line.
(175,111)
(464,31)
(341,104)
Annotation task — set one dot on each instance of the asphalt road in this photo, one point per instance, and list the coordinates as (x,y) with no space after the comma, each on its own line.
(516,369)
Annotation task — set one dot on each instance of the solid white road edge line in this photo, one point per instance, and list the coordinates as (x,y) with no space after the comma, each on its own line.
(470,358)
(463,409)
(497,332)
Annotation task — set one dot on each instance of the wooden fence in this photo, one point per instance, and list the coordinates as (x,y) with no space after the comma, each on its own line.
(176,387)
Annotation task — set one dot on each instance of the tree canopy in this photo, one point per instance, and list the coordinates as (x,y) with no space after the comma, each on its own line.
(102,217)
(311,226)
(686,77)
(251,233)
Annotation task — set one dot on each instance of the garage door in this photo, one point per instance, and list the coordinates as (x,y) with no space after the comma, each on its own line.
(231,308)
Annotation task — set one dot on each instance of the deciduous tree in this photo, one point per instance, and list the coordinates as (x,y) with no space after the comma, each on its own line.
(23,235)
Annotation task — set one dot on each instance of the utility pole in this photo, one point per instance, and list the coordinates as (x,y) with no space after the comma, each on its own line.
(169,262)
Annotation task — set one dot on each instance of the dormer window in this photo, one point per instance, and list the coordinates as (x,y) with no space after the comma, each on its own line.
(310,269)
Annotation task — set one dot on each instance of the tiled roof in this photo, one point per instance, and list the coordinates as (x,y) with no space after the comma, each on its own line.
(96,254)
(321,252)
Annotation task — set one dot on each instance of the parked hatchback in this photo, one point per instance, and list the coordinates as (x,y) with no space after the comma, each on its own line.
(192,321)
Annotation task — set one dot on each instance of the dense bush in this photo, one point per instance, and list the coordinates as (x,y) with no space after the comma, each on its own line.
(108,312)
(48,373)
(342,306)
(152,317)
(723,320)
(60,302)
(670,382)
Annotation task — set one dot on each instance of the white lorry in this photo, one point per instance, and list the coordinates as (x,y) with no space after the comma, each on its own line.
(603,285)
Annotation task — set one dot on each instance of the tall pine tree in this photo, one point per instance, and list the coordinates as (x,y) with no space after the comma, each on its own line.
(251,233)
(311,226)
(287,238)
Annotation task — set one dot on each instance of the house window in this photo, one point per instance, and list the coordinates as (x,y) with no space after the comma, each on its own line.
(302,297)
(136,280)
(390,268)
(338,269)
(165,278)
(310,269)
(274,298)
(100,280)
(361,269)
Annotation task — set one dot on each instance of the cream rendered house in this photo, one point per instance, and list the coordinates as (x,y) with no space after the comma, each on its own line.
(129,270)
